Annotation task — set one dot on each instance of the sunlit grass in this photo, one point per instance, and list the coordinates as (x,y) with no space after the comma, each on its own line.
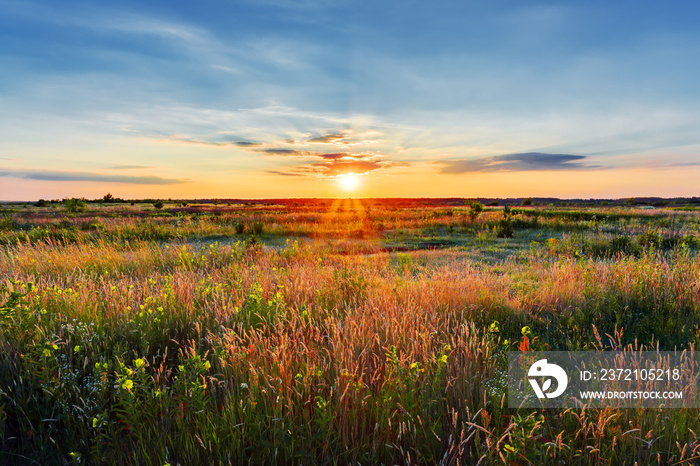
(329,338)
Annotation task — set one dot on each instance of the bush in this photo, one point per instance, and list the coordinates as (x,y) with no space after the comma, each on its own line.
(504,229)
(475,208)
(527,201)
(7,223)
(507,212)
(158,204)
(74,204)
(650,239)
(239,228)
(257,228)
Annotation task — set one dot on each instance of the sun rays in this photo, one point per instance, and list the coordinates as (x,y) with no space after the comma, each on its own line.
(349,182)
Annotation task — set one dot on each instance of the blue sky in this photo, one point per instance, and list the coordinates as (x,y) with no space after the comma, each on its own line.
(280,98)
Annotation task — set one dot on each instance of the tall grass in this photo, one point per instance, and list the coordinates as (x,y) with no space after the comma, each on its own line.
(136,351)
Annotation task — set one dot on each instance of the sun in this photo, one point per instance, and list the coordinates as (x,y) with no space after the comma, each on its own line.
(349,181)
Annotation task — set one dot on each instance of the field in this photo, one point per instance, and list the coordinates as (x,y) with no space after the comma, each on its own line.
(331,332)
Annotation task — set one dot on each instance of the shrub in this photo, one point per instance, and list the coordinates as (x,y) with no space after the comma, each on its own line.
(527,201)
(257,228)
(74,204)
(7,223)
(504,229)
(650,239)
(239,228)
(158,204)
(475,208)
(507,212)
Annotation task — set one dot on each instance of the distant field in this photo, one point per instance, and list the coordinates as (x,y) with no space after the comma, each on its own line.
(343,332)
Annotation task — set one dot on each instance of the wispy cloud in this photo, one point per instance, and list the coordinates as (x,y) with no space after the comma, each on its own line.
(127,167)
(340,167)
(286,152)
(660,165)
(333,168)
(306,153)
(283,173)
(346,160)
(212,140)
(528,161)
(49,175)
(200,142)
(336,156)
(328,138)
(346,138)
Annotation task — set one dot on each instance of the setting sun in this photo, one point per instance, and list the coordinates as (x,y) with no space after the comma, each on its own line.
(349,181)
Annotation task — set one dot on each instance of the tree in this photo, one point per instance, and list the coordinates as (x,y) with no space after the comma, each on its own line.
(527,201)
(108,198)
(475,208)
(158,204)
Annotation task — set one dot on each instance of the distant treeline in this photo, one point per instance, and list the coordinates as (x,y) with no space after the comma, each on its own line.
(393,202)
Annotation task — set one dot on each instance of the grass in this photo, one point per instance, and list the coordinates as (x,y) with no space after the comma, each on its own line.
(339,334)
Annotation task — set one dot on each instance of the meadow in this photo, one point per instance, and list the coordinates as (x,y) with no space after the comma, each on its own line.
(331,332)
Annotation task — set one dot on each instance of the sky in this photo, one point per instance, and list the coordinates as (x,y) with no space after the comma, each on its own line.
(285,99)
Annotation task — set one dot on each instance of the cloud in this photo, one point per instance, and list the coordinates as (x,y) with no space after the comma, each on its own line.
(49,175)
(335,156)
(332,168)
(303,153)
(528,161)
(331,163)
(199,142)
(342,167)
(674,165)
(281,173)
(287,152)
(206,141)
(127,167)
(328,138)
(344,139)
